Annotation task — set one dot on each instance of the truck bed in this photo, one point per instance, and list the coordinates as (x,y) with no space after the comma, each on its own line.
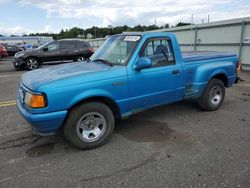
(189,56)
(202,60)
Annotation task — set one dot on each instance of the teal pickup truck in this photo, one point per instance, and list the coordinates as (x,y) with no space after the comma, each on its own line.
(129,73)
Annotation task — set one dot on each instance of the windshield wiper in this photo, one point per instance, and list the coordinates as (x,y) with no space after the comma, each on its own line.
(105,62)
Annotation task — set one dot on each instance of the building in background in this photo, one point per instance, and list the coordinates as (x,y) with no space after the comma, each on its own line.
(29,40)
(225,36)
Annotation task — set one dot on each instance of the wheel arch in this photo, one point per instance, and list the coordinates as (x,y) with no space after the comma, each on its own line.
(105,100)
(35,57)
(222,77)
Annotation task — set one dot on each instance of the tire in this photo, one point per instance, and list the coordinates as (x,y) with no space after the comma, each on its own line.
(213,95)
(80,58)
(89,125)
(32,63)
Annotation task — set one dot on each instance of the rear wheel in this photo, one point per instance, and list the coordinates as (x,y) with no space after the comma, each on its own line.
(213,95)
(89,125)
(32,63)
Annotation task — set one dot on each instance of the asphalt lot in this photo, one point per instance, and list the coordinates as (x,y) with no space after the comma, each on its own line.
(176,145)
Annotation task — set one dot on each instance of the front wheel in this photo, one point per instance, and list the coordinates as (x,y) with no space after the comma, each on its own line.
(32,63)
(89,125)
(213,95)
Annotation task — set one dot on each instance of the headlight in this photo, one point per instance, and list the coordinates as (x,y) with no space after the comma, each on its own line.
(34,100)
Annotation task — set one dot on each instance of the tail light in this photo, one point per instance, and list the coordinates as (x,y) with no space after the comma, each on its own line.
(91,50)
(238,66)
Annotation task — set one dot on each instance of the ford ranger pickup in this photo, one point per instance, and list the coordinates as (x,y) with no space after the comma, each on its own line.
(129,73)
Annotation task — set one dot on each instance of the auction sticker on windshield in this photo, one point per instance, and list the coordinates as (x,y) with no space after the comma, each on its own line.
(132,38)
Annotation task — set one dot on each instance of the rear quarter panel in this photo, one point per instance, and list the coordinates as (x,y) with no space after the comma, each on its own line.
(199,73)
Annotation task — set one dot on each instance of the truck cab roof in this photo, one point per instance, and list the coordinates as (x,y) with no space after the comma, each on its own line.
(148,34)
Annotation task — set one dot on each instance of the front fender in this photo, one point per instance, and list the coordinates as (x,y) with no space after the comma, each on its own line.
(89,94)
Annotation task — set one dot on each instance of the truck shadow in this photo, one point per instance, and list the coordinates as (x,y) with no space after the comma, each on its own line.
(137,128)
(152,125)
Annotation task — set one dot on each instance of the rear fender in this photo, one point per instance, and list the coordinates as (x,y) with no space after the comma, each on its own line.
(206,72)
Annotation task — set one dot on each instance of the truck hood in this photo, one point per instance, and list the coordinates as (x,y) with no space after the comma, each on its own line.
(40,77)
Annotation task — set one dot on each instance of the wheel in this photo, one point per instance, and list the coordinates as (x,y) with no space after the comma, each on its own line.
(32,63)
(213,95)
(89,125)
(80,58)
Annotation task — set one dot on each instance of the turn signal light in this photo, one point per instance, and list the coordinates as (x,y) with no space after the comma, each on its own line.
(34,100)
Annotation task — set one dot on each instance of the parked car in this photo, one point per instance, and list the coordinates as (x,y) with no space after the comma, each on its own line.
(3,51)
(129,73)
(57,51)
(12,49)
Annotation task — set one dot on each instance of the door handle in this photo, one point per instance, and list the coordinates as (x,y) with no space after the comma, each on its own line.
(175,72)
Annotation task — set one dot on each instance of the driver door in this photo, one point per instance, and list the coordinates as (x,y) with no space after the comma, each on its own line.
(51,52)
(159,84)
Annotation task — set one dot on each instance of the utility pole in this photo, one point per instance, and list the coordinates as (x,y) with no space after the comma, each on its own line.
(208,18)
(155,23)
(192,18)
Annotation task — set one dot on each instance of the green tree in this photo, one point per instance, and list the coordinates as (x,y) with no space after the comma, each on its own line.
(101,32)
(182,24)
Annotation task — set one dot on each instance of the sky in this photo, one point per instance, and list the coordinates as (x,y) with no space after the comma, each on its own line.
(20,17)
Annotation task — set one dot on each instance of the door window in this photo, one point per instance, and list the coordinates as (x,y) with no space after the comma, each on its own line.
(82,44)
(67,45)
(53,46)
(160,51)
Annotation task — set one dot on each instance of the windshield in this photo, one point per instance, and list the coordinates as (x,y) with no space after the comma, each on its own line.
(116,49)
(40,47)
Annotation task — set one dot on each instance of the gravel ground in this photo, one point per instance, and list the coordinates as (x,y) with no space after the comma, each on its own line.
(175,145)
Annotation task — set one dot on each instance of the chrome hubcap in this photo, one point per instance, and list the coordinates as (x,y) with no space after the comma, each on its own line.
(32,64)
(91,126)
(216,95)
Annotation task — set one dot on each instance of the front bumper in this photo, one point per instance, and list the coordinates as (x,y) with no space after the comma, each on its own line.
(17,62)
(43,124)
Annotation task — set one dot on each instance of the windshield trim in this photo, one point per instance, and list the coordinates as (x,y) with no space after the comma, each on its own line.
(132,53)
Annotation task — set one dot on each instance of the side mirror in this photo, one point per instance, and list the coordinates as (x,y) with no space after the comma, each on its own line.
(45,49)
(143,63)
